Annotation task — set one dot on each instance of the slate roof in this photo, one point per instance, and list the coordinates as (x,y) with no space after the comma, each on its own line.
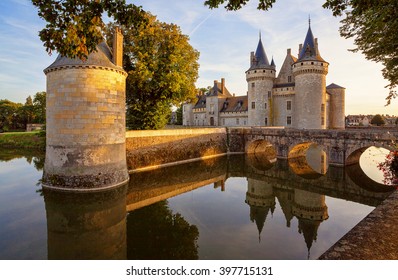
(261,58)
(309,50)
(102,57)
(234,104)
(201,103)
(333,85)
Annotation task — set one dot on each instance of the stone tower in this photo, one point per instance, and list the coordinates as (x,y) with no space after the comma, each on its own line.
(260,79)
(310,72)
(85,147)
(337,106)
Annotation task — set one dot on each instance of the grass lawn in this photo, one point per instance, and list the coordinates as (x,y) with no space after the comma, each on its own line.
(33,140)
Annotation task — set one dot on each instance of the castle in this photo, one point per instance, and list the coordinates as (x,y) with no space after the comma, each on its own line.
(297,97)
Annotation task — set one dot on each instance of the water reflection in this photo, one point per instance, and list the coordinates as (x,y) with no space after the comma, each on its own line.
(237,207)
(86,225)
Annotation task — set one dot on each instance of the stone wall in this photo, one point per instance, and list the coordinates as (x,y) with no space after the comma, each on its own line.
(152,148)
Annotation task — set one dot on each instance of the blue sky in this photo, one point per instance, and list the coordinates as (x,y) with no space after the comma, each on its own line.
(224,40)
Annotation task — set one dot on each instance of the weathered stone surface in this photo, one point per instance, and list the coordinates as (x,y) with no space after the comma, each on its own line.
(374,238)
(159,147)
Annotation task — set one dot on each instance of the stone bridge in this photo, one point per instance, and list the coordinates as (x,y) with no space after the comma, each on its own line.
(342,147)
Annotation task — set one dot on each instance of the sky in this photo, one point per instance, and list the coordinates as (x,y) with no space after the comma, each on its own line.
(224,40)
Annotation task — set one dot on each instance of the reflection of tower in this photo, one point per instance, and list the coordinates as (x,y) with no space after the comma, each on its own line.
(261,200)
(310,210)
(86,225)
(285,197)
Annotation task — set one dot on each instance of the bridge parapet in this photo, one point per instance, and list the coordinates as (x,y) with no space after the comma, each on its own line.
(338,144)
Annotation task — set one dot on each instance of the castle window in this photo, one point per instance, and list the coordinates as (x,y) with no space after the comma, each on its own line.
(289,79)
(302,63)
(323,121)
(321,64)
(253,85)
(312,63)
(322,108)
(266,121)
(265,106)
(263,71)
(253,105)
(288,120)
(255,71)
(288,105)
(237,121)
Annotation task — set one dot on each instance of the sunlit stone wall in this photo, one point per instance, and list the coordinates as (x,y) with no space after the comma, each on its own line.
(85,127)
(152,148)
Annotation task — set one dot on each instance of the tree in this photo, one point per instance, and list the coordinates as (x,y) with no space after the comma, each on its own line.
(155,232)
(72,25)
(179,115)
(372,24)
(10,117)
(162,68)
(39,107)
(377,120)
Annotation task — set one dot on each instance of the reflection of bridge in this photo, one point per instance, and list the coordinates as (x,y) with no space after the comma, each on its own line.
(343,147)
(168,182)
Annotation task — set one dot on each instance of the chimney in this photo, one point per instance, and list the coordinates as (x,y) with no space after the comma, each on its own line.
(118,47)
(289,51)
(222,86)
(300,47)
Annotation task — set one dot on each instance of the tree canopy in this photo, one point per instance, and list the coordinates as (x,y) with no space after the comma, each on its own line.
(74,26)
(372,24)
(15,116)
(163,68)
(378,120)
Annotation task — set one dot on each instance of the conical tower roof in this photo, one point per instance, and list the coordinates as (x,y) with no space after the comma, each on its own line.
(102,57)
(261,59)
(310,51)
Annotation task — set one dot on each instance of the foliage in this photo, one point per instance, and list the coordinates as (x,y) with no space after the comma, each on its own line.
(162,68)
(233,5)
(179,115)
(72,25)
(15,116)
(10,117)
(39,107)
(154,232)
(377,120)
(390,168)
(372,24)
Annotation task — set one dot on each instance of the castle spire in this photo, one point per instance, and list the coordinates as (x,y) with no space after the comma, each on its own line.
(309,50)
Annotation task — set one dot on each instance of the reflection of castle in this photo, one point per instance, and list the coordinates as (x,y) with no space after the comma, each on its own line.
(309,208)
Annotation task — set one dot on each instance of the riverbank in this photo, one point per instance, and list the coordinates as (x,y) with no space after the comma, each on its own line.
(374,238)
(23,140)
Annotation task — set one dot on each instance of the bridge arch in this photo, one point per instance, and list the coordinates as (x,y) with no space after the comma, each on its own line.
(354,153)
(308,160)
(260,154)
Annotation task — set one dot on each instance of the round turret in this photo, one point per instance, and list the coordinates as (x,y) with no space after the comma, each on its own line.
(85,148)
(260,79)
(310,72)
(337,106)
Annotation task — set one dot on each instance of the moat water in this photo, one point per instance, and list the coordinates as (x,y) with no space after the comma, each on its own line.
(237,207)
